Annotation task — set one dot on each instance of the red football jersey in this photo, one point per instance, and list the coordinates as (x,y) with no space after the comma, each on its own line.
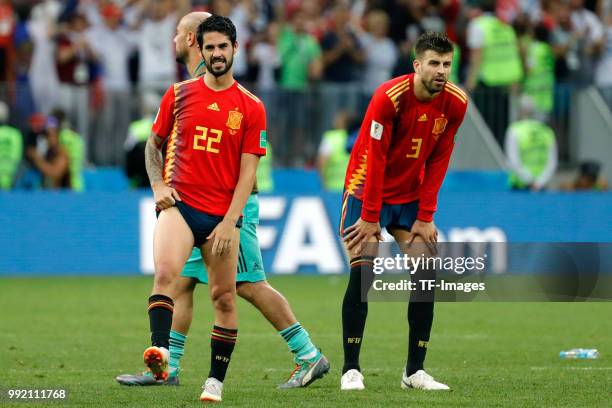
(208,131)
(403,148)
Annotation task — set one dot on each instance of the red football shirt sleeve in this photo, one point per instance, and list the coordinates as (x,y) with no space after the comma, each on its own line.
(255,138)
(377,129)
(164,120)
(435,169)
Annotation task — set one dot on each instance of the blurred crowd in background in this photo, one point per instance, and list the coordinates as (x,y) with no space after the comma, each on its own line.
(80,80)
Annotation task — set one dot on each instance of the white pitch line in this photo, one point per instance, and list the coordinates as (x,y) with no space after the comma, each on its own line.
(571,368)
(588,368)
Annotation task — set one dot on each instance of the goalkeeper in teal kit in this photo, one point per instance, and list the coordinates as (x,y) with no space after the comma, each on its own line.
(251,281)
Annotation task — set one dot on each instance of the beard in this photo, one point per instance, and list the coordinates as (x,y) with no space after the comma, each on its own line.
(216,72)
(181,59)
(432,87)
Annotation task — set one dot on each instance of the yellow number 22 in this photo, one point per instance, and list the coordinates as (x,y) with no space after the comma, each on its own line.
(201,136)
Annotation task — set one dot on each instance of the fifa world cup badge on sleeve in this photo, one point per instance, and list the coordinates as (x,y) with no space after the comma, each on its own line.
(263,137)
(376,130)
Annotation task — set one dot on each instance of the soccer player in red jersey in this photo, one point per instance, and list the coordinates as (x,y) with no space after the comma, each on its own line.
(394,174)
(251,283)
(216,134)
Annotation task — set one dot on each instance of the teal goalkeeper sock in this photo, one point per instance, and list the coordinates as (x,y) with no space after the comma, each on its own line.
(177,349)
(299,343)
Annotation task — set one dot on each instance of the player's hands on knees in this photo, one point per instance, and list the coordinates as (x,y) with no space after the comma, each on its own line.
(223,237)
(164,195)
(360,232)
(427,231)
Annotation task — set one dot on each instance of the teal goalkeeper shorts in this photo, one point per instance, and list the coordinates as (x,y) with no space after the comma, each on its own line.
(250,263)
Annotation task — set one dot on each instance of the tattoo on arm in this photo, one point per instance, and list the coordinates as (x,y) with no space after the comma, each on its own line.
(153,159)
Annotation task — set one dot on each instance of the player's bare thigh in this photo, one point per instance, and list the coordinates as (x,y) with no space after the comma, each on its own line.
(414,246)
(172,243)
(368,250)
(411,244)
(222,268)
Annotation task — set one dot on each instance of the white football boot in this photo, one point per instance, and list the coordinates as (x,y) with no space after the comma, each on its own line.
(422,381)
(352,380)
(212,390)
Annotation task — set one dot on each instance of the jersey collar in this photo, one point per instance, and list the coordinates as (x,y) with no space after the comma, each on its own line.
(200,69)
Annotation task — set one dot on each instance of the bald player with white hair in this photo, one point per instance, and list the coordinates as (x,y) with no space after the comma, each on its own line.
(251,284)
(186,43)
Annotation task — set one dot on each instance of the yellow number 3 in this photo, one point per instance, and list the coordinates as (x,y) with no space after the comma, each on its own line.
(415,149)
(201,136)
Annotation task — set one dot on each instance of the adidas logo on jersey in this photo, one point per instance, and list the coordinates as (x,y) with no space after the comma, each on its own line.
(214,106)
(423,118)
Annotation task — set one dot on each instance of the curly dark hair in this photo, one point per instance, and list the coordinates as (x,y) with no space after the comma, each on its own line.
(434,41)
(216,24)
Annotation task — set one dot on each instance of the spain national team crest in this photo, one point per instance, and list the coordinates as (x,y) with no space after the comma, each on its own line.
(234,120)
(439,126)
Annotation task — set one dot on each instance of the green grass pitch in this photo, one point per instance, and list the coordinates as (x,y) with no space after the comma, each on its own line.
(80,332)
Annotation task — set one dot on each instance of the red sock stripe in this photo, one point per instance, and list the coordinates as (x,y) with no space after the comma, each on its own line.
(360,262)
(161,303)
(223,335)
(224,340)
